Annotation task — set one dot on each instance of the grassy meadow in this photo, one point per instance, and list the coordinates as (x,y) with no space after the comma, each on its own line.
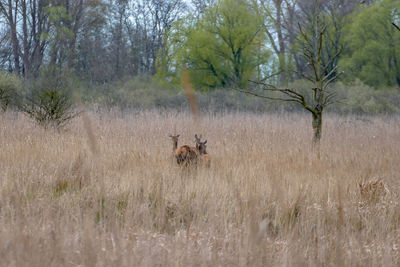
(106,192)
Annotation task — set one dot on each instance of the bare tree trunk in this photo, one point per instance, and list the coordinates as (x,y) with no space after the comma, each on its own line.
(317,127)
(40,25)
(12,20)
(15,47)
(281,52)
(77,16)
(26,48)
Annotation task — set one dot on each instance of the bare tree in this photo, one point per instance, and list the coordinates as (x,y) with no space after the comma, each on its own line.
(32,32)
(9,9)
(146,23)
(201,5)
(118,43)
(319,74)
(162,14)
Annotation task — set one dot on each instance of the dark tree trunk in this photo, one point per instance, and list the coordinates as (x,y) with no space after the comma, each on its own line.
(281,52)
(15,47)
(26,47)
(12,20)
(317,127)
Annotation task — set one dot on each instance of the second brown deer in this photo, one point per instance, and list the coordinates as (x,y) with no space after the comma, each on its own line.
(205,159)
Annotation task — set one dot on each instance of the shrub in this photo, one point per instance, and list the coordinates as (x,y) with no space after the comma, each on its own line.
(50,108)
(10,85)
(359,98)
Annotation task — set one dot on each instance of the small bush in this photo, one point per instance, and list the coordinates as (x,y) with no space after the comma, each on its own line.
(10,85)
(50,108)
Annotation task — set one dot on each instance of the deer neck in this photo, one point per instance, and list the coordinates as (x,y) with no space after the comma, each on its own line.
(175,146)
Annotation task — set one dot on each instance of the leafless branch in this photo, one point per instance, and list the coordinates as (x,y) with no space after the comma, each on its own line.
(397,27)
(304,76)
(267,97)
(329,74)
(332,59)
(291,93)
(270,76)
(332,79)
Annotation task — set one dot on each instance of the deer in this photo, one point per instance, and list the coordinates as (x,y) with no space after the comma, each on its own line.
(205,159)
(184,155)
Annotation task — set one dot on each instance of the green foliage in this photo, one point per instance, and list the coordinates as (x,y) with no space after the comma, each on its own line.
(223,48)
(59,17)
(61,36)
(10,86)
(373,45)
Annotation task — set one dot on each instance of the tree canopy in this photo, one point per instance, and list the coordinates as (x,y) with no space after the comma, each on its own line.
(223,48)
(222,43)
(373,45)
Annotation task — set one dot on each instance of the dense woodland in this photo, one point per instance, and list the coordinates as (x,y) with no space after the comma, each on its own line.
(132,52)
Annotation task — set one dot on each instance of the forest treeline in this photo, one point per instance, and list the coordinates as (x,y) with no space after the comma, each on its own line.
(130,53)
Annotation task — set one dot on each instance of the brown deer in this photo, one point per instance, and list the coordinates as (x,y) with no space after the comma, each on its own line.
(184,155)
(205,159)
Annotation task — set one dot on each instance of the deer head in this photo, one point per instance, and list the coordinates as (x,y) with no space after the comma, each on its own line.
(201,146)
(174,141)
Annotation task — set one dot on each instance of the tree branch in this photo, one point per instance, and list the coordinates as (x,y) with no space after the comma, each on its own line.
(397,27)
(303,75)
(332,59)
(331,80)
(292,94)
(267,97)
(270,76)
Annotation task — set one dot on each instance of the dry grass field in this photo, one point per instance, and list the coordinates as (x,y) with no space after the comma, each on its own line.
(107,192)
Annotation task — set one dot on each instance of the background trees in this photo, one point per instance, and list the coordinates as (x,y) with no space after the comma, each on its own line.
(100,41)
(373,45)
(222,43)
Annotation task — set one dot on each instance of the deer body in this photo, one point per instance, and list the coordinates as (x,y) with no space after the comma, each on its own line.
(184,155)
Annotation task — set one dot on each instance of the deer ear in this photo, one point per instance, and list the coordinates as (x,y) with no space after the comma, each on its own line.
(178,135)
(205,142)
(170,136)
(195,136)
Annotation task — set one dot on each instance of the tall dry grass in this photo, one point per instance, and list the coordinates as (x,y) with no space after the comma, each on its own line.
(115,198)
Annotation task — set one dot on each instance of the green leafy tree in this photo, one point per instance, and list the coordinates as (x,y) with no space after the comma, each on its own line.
(373,45)
(60,34)
(223,48)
